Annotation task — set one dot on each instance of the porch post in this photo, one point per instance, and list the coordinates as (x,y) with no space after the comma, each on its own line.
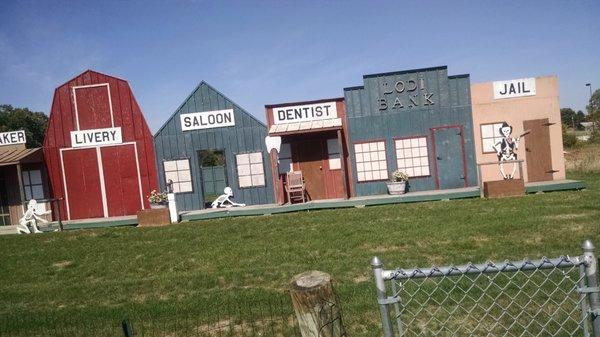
(21,189)
(343,160)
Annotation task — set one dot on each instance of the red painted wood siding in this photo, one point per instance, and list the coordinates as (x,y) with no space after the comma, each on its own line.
(93,112)
(83,183)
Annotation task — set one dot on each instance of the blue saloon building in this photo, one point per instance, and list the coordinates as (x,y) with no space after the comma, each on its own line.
(418,121)
(210,143)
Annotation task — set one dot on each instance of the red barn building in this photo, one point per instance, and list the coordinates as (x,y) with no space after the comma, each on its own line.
(98,149)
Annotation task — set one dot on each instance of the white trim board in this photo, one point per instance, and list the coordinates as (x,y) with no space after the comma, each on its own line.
(101,173)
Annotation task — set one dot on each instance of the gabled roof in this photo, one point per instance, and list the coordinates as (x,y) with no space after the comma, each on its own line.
(192,93)
(16,156)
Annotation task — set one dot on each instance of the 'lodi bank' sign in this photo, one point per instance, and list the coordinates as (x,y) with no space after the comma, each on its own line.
(304,113)
(400,94)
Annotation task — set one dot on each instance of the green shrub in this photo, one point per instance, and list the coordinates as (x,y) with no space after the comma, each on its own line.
(570,140)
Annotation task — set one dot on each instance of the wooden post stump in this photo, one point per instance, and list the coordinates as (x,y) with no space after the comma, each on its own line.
(316,305)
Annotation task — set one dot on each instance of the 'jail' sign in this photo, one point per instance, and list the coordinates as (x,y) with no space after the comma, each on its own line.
(514,88)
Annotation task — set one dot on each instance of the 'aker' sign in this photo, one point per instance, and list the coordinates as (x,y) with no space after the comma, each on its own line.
(12,137)
(96,137)
(207,120)
(304,113)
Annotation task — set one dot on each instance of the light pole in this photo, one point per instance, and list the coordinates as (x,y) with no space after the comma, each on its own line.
(590,86)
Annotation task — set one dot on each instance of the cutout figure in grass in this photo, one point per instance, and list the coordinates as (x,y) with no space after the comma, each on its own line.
(224,200)
(506,149)
(31,217)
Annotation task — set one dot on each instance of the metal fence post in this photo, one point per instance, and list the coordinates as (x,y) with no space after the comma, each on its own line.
(591,270)
(381,296)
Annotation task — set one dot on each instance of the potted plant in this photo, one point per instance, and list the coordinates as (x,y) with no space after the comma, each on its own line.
(398,183)
(157,199)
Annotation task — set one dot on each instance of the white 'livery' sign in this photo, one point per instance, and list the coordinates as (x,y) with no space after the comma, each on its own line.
(304,113)
(12,137)
(95,137)
(207,120)
(514,88)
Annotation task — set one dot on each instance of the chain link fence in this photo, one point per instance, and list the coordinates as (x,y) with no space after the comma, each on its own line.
(546,297)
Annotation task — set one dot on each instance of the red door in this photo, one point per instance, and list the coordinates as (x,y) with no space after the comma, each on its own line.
(82,182)
(121,180)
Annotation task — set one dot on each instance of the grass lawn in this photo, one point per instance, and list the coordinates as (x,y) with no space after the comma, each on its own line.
(192,268)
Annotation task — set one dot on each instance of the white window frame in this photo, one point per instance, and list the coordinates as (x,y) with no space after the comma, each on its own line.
(496,136)
(253,164)
(182,175)
(369,164)
(28,185)
(412,156)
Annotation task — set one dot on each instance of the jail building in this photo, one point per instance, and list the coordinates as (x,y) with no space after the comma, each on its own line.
(418,121)
(209,143)
(98,149)
(531,107)
(314,141)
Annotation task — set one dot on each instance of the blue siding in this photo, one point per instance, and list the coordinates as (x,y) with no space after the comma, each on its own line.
(247,135)
(366,122)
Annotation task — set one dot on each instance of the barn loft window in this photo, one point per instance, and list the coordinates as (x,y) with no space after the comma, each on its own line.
(371,163)
(250,169)
(490,135)
(32,183)
(412,156)
(179,172)
(333,154)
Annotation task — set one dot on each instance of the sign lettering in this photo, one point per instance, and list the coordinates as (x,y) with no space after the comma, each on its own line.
(304,113)
(207,120)
(96,137)
(12,137)
(415,94)
(514,88)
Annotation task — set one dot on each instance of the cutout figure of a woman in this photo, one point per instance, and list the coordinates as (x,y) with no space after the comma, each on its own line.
(505,149)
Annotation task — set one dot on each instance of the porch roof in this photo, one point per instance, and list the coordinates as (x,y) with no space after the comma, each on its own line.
(303,127)
(18,156)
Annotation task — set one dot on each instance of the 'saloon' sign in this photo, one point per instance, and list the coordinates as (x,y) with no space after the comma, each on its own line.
(12,137)
(304,113)
(96,137)
(514,88)
(207,120)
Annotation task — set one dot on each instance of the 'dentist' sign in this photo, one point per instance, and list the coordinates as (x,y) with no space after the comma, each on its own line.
(96,137)
(514,88)
(304,113)
(207,120)
(12,137)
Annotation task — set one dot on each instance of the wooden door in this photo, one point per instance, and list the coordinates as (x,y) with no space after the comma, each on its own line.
(82,182)
(449,157)
(310,155)
(213,170)
(537,150)
(121,180)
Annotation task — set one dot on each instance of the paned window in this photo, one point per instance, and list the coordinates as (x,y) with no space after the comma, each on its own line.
(490,135)
(412,156)
(32,183)
(333,154)
(371,163)
(250,169)
(179,172)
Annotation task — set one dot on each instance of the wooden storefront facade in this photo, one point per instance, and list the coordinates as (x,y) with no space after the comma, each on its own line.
(418,121)
(209,143)
(98,149)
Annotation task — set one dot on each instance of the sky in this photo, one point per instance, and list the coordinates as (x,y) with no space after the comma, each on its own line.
(267,52)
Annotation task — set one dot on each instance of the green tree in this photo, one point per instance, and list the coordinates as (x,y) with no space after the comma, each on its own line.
(34,123)
(569,117)
(593,109)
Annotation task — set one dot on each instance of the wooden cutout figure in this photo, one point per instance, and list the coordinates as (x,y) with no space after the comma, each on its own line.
(224,201)
(31,217)
(506,149)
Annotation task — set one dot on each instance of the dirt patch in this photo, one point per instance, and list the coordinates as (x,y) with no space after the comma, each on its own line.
(62,264)
(566,216)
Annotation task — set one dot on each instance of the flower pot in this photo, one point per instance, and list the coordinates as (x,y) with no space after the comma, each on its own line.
(158,206)
(396,187)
